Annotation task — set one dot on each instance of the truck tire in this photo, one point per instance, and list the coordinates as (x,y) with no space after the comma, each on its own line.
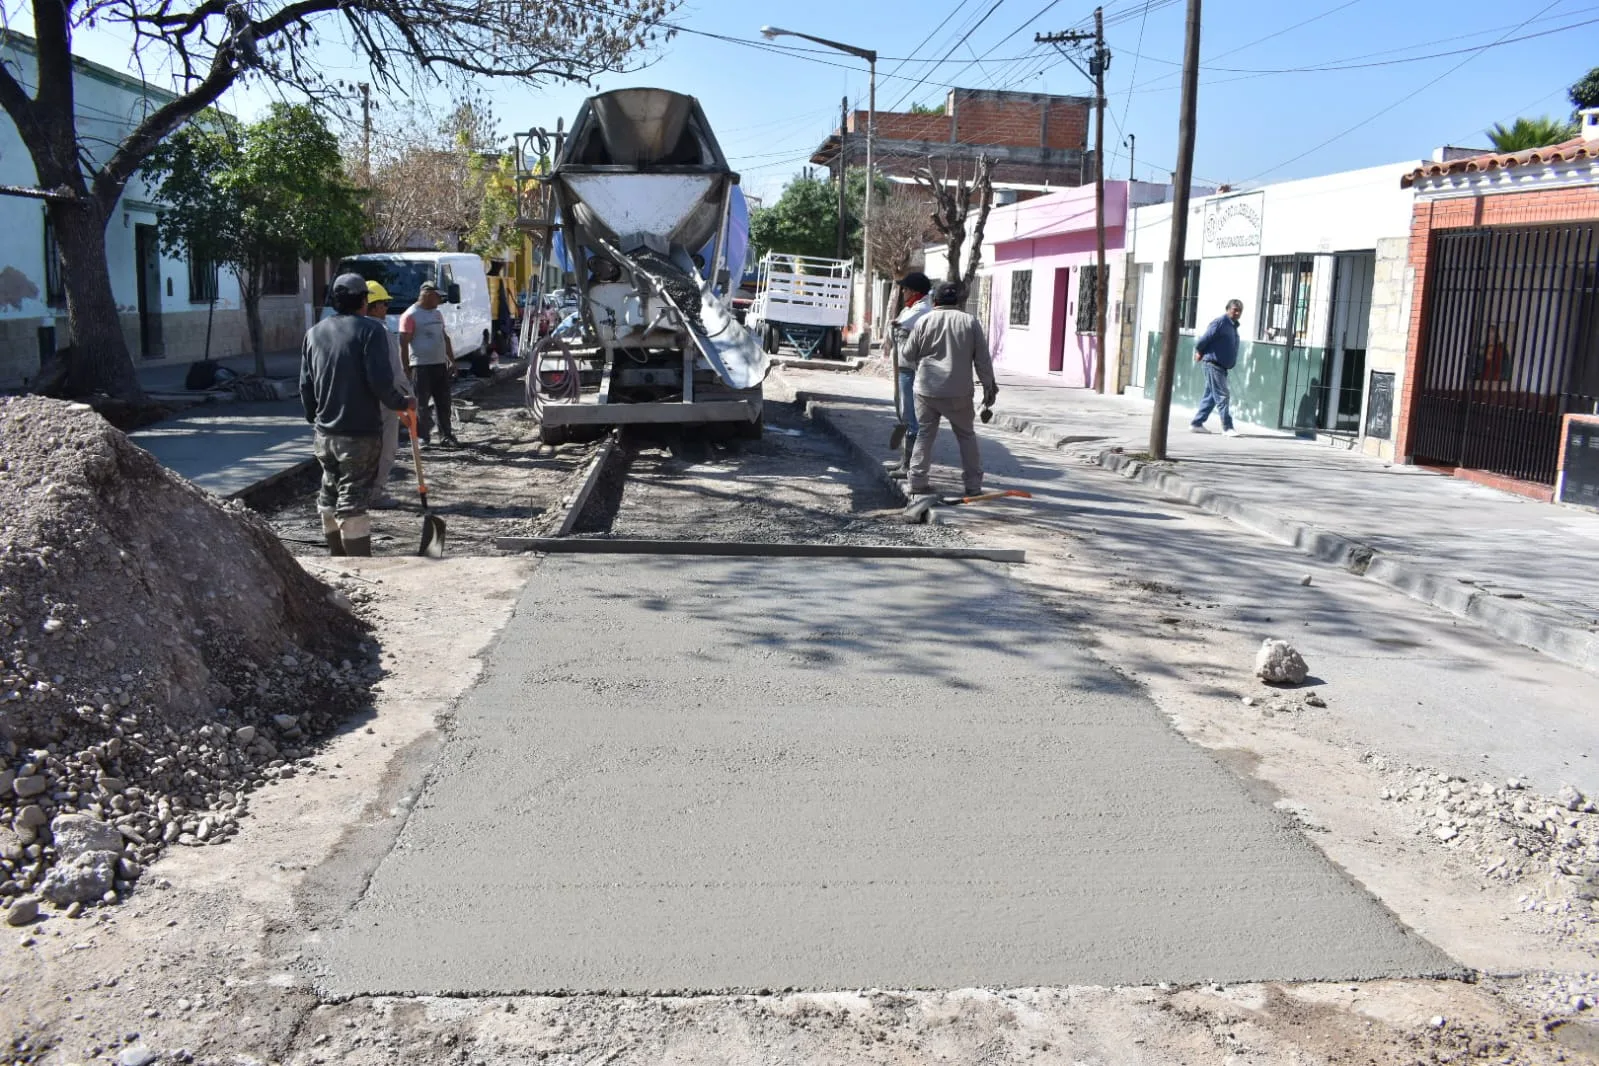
(752,430)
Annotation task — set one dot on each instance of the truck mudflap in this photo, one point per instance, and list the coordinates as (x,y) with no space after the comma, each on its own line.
(730,348)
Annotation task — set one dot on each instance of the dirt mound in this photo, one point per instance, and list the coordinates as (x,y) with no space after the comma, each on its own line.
(160,655)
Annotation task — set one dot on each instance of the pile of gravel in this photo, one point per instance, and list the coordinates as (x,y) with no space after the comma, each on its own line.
(161,655)
(1511,833)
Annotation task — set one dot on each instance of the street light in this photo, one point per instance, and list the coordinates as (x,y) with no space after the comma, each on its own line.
(770,32)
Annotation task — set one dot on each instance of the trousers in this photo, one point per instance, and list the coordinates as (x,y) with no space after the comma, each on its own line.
(1217,397)
(961,413)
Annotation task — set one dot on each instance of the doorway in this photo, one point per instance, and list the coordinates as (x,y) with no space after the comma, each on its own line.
(147,255)
(1057,320)
(1135,361)
(1346,348)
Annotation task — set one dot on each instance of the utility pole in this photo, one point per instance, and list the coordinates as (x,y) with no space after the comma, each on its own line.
(843,169)
(366,131)
(1132,155)
(1098,63)
(1183,180)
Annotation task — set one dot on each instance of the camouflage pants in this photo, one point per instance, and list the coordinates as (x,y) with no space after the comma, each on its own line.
(349,467)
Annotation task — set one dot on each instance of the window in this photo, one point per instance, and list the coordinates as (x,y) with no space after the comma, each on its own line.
(1285,299)
(1188,299)
(1087,297)
(202,280)
(55,293)
(281,277)
(1021,297)
(446,279)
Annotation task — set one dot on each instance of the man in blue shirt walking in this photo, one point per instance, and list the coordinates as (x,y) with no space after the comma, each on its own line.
(1217,352)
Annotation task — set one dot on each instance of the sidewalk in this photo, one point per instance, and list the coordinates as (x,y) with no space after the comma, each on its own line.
(231,449)
(169,377)
(1524,570)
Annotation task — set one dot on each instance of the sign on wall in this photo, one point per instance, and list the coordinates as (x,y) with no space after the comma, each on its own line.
(1380,406)
(1233,225)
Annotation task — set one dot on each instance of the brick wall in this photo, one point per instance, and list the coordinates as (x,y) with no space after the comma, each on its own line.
(1578,204)
(1019,120)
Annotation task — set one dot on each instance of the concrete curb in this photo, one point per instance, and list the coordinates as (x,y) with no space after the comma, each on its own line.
(1521,621)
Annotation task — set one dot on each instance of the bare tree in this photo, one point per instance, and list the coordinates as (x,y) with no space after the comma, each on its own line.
(431,177)
(955,199)
(901,228)
(213,44)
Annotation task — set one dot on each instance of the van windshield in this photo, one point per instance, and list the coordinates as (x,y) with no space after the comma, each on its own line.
(402,278)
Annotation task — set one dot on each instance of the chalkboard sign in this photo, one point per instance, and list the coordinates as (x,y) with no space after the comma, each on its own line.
(1380,406)
(1579,476)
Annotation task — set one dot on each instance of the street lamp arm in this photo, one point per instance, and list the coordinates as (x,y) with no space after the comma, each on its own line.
(867,54)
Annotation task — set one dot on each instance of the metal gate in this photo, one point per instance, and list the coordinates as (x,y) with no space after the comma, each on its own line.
(1511,346)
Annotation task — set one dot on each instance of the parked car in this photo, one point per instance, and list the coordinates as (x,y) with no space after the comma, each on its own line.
(461,280)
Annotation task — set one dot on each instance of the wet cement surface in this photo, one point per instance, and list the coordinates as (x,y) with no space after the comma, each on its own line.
(698,775)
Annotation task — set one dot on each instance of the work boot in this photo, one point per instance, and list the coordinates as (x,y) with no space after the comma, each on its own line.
(903,470)
(335,543)
(358,546)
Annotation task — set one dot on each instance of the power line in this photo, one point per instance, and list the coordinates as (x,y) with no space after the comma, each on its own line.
(1403,99)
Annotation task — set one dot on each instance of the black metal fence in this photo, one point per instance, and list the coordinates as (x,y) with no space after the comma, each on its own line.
(1512,344)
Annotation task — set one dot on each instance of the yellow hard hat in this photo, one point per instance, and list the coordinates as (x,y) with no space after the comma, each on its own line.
(376,293)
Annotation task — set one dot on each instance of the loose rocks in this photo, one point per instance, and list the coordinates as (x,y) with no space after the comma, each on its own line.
(149,634)
(1278,663)
(22,911)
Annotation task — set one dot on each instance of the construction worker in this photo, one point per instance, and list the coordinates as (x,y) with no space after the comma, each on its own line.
(345,380)
(947,348)
(429,357)
(915,286)
(377,306)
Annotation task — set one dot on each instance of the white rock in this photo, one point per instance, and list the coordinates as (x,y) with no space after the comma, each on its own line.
(1305,580)
(76,834)
(245,734)
(1570,798)
(1438,1021)
(285,722)
(22,911)
(1278,663)
(1446,833)
(138,1055)
(86,877)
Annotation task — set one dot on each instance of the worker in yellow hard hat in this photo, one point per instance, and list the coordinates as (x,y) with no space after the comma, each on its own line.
(377,306)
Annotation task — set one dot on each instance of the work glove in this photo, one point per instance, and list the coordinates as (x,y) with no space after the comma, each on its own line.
(990,394)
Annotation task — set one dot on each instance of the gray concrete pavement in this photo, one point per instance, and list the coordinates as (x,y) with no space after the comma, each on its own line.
(231,448)
(1523,569)
(716,774)
(1407,680)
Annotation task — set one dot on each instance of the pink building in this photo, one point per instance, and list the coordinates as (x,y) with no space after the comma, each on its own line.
(1041,257)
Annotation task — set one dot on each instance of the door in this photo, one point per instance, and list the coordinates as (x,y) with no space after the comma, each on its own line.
(1135,361)
(147,255)
(1346,349)
(1060,307)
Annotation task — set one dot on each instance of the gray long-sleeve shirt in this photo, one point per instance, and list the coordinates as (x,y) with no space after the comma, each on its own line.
(947,345)
(345,376)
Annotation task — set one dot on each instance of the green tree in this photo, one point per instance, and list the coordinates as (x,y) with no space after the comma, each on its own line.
(804,220)
(1527,133)
(246,196)
(80,170)
(1585,93)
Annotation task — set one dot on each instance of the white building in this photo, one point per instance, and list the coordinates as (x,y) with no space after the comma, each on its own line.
(164,300)
(1320,265)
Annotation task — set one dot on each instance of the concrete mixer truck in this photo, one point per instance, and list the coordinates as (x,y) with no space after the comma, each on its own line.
(637,205)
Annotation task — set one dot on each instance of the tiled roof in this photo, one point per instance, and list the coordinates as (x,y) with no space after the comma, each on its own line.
(1565,152)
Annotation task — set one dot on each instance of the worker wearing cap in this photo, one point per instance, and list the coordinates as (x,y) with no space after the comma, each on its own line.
(915,287)
(947,347)
(429,357)
(345,381)
(377,307)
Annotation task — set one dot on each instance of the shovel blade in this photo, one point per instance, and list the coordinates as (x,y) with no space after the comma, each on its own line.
(897,437)
(432,537)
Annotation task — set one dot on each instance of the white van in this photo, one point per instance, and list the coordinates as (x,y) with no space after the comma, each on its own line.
(461,280)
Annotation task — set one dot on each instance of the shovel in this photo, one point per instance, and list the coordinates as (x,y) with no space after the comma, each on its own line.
(432,525)
(921,510)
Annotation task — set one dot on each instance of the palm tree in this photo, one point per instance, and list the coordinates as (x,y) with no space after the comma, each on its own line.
(1531,133)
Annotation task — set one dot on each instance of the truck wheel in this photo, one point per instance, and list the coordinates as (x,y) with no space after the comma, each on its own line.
(752,430)
(833,344)
(770,341)
(555,435)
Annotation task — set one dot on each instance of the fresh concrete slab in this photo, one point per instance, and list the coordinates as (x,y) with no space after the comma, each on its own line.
(231,448)
(712,774)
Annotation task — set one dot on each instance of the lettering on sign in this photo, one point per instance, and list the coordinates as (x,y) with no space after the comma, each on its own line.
(1233,225)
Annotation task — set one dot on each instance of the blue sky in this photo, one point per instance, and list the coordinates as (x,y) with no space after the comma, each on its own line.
(1412,77)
